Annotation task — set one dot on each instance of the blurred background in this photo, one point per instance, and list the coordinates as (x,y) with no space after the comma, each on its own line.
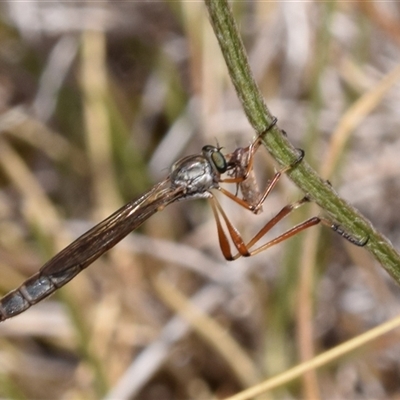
(97,100)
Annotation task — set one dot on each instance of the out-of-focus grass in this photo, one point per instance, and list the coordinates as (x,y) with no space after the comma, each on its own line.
(76,145)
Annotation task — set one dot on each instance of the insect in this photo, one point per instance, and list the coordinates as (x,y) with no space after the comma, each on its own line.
(192,177)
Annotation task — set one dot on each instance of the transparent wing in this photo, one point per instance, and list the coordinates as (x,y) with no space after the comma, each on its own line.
(86,249)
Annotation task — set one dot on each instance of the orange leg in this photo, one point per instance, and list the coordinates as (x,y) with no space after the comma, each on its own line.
(244,250)
(272,183)
(241,171)
(234,158)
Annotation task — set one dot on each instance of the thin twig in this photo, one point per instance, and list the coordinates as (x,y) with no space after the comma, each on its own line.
(283,151)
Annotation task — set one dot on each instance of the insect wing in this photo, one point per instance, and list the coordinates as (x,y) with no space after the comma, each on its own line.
(91,245)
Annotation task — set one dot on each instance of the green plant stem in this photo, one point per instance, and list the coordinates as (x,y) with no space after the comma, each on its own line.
(282,150)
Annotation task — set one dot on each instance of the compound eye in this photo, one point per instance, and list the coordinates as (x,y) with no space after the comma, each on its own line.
(219,161)
(216,158)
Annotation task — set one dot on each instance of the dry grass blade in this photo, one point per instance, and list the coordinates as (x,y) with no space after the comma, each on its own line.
(318,361)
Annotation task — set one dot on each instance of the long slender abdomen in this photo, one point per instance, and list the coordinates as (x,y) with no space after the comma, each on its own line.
(34,289)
